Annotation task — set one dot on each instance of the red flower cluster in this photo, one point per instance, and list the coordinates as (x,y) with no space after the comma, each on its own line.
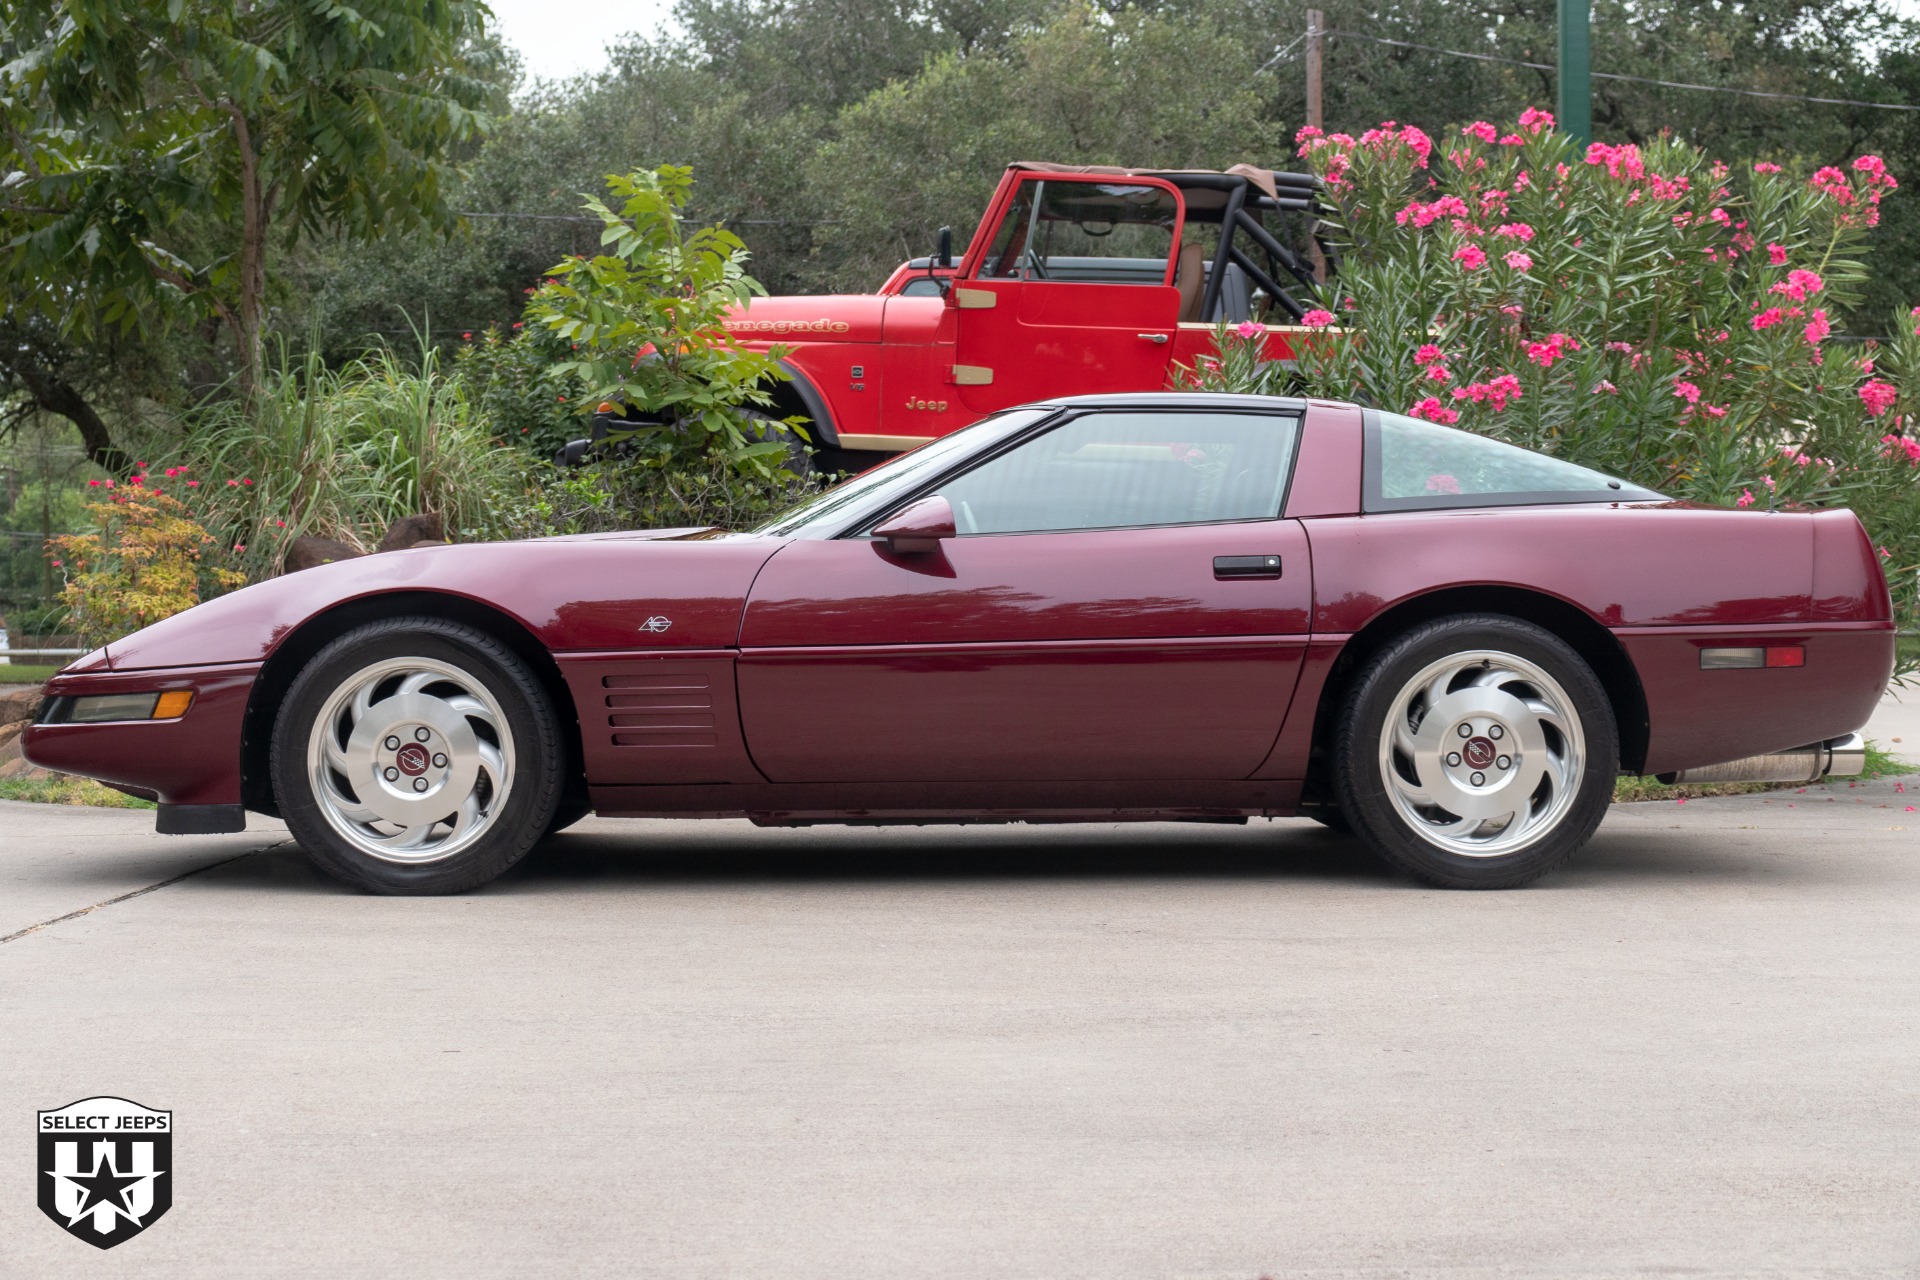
(1494,393)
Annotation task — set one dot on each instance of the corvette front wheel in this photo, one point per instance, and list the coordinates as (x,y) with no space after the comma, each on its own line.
(1476,752)
(416,756)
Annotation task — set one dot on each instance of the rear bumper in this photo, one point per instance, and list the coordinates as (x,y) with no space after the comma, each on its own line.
(194,760)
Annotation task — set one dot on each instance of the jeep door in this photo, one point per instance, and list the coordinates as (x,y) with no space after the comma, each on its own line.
(1122,601)
(1072,292)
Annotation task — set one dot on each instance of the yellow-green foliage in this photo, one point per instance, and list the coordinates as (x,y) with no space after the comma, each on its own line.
(147,561)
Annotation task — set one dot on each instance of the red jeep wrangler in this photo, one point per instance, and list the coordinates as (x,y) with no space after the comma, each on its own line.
(1077,280)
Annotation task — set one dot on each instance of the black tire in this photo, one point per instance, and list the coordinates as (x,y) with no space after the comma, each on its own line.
(1330,818)
(570,810)
(516,814)
(1416,840)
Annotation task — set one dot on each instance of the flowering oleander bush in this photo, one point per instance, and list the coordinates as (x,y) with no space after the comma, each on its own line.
(1642,310)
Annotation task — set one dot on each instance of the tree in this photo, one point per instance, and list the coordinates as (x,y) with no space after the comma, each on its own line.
(153,147)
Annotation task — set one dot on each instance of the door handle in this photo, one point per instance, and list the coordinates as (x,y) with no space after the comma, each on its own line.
(1246,566)
(1158,339)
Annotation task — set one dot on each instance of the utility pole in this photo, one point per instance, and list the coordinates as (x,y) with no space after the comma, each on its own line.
(1316,110)
(1576,70)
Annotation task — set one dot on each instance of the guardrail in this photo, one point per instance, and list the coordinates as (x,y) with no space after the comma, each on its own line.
(43,653)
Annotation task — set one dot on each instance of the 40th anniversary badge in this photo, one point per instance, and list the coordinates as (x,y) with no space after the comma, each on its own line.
(105,1168)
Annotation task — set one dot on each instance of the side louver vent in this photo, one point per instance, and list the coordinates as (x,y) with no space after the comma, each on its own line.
(660,710)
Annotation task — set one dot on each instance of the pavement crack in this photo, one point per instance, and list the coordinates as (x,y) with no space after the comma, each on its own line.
(17,934)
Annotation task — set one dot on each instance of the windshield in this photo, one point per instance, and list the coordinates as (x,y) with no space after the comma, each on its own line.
(824,513)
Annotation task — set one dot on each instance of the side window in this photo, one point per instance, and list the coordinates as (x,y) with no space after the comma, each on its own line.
(1126,470)
(1085,233)
(1413,465)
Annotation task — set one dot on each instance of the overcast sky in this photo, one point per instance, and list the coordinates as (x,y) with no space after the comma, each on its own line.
(559,38)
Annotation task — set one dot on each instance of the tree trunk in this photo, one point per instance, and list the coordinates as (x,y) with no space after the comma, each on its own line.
(56,395)
(251,304)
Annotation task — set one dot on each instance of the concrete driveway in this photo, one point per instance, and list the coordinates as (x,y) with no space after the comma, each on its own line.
(702,1049)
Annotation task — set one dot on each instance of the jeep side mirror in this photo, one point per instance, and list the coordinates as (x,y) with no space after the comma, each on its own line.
(944,257)
(917,528)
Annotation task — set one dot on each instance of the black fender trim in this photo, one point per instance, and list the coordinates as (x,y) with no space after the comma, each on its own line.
(825,434)
(199,819)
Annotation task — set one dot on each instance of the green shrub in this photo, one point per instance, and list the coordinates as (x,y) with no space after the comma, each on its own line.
(645,328)
(517,392)
(614,494)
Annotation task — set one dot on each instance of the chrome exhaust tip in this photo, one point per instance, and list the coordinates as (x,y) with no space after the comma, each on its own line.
(1842,757)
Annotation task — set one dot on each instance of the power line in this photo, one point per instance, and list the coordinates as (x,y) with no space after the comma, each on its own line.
(1614,75)
(732,222)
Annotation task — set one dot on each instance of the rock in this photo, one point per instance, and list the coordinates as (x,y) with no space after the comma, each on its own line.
(10,741)
(311,553)
(18,707)
(412,531)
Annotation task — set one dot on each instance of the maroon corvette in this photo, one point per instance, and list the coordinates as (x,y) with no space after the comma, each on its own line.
(1115,607)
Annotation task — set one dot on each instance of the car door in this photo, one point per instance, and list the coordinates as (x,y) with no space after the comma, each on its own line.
(1074,292)
(1121,602)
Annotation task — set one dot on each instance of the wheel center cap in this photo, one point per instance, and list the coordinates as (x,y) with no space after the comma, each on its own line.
(413,759)
(1479,752)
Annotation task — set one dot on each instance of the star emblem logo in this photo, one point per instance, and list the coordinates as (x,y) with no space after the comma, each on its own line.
(105,1168)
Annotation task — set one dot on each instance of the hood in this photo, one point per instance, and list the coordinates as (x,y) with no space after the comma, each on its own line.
(571,593)
(842,317)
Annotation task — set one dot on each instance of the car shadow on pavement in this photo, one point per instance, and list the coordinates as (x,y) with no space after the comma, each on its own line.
(710,853)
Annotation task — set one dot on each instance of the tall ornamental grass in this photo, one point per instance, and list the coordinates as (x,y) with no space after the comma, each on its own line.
(1642,310)
(342,452)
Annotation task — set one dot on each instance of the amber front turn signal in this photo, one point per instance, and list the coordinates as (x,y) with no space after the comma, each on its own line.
(172,703)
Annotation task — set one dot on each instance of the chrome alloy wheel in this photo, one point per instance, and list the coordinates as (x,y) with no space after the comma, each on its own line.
(410,759)
(1483,753)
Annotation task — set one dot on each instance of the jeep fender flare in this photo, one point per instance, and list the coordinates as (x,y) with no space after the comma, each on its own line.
(800,396)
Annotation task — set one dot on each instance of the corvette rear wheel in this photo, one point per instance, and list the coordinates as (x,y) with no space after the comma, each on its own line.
(1476,752)
(416,756)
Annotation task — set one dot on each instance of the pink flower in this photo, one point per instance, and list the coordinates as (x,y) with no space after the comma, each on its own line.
(1818,328)
(1777,254)
(239,546)
(1687,391)
(1555,346)
(1433,411)
(1799,284)
(1470,256)
(1514,230)
(1519,261)
(93,484)
(1534,120)
(1494,393)
(1317,318)
(468,336)
(1622,161)
(1513,140)
(1878,396)
(233,484)
(245,481)
(1439,373)
(1429,353)
(1252,328)
(193,484)
(1764,167)
(1443,483)
(1745,499)
(1768,318)
(1482,130)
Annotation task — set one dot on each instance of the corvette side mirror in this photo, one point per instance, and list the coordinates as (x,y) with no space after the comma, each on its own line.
(917,529)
